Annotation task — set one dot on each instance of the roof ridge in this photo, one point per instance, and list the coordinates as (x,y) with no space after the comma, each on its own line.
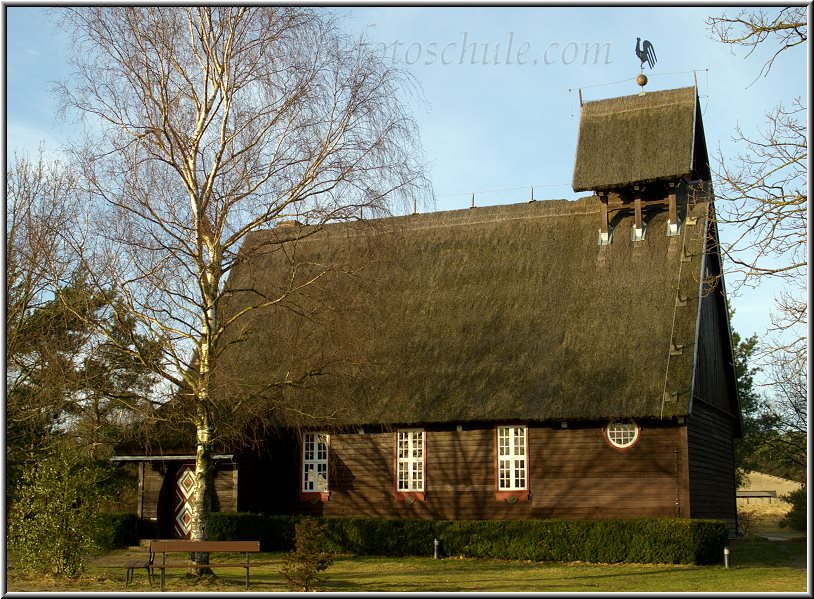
(503,218)
(609,110)
(453,218)
(661,93)
(588,205)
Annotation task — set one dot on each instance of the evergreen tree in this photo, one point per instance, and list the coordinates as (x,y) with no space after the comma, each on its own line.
(65,381)
(754,425)
(774,429)
(303,565)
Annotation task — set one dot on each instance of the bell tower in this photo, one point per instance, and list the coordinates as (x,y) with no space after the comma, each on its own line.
(635,151)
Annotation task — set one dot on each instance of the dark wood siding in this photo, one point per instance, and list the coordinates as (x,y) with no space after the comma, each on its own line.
(712,464)
(268,480)
(714,368)
(151,489)
(713,421)
(224,499)
(579,475)
(574,473)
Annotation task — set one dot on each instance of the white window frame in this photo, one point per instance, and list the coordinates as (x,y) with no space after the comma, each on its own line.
(410,460)
(512,458)
(316,447)
(622,439)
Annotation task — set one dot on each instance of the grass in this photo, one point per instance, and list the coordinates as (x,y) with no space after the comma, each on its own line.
(758,565)
(763,520)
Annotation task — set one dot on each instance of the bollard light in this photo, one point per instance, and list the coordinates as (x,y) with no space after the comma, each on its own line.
(726,557)
(436,543)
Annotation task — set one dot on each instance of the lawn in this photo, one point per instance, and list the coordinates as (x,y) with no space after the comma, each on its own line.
(757,566)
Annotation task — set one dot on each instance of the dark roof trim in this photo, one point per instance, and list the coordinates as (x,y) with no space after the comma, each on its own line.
(731,372)
(698,312)
(695,112)
(715,408)
(167,458)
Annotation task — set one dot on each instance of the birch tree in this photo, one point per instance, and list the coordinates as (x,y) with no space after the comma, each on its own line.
(205,124)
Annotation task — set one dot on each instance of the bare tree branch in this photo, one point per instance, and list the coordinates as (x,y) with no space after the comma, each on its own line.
(751,28)
(763,189)
(763,199)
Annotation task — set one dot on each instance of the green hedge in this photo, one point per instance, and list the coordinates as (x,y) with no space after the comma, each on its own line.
(641,540)
(116,529)
(275,533)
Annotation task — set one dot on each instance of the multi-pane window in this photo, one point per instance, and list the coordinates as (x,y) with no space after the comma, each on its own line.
(511,458)
(622,434)
(315,462)
(410,460)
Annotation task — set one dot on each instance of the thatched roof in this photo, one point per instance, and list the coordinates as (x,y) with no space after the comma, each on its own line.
(505,312)
(658,136)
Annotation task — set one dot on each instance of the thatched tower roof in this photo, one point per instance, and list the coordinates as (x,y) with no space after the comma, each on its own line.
(506,312)
(658,136)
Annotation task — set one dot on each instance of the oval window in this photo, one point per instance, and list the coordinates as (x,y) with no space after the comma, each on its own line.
(622,433)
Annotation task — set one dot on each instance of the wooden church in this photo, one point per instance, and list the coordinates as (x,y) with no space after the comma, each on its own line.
(551,359)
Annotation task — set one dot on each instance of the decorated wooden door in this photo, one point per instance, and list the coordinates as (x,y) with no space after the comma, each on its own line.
(182,496)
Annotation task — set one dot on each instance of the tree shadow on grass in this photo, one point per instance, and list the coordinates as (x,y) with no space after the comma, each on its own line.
(762,552)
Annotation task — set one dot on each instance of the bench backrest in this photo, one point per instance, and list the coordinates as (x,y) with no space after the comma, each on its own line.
(182,545)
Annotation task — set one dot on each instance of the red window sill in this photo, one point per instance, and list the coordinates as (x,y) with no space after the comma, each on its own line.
(512,496)
(410,497)
(315,496)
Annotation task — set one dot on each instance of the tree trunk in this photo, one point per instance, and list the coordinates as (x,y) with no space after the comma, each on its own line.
(204,464)
(201,504)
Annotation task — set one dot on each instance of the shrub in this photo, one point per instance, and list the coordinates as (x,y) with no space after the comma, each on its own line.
(303,565)
(643,540)
(275,533)
(746,524)
(646,540)
(116,529)
(796,518)
(54,520)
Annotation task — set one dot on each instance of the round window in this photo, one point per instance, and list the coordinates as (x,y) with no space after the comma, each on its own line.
(622,433)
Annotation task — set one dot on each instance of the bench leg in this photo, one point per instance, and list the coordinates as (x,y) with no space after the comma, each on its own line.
(162,578)
(130,573)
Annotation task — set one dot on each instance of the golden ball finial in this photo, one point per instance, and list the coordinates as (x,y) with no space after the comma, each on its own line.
(641,80)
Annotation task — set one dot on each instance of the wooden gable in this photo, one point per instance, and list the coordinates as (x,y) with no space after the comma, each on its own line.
(640,139)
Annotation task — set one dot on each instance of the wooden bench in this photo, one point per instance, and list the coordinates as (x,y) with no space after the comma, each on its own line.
(183,546)
(133,565)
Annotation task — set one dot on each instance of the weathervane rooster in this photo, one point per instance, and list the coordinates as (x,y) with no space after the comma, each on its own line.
(645,52)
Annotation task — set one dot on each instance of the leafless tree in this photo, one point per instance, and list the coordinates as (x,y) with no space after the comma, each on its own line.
(205,124)
(762,190)
(785,28)
(789,409)
(62,380)
(38,207)
(763,197)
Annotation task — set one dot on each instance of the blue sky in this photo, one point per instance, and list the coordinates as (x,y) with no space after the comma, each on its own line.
(499,128)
